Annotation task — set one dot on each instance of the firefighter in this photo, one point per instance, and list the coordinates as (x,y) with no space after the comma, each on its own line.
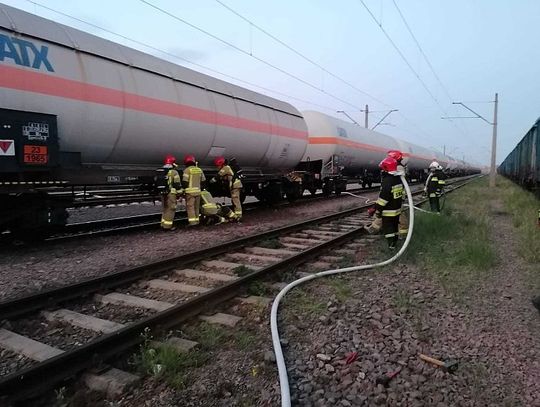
(232,182)
(397,155)
(388,205)
(192,181)
(434,186)
(172,188)
(212,212)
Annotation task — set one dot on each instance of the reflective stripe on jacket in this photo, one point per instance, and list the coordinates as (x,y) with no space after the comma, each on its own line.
(435,183)
(227,174)
(390,196)
(209,206)
(192,178)
(173,181)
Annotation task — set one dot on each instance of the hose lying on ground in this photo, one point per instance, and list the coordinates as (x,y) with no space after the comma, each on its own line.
(280,361)
(368,200)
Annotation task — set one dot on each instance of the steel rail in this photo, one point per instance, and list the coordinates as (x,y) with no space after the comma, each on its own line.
(104,227)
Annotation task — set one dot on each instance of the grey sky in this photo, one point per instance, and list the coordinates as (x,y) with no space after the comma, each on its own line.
(477,48)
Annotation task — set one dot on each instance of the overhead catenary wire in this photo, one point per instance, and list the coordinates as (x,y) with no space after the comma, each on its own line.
(444,88)
(170,54)
(404,58)
(422,51)
(301,55)
(237,48)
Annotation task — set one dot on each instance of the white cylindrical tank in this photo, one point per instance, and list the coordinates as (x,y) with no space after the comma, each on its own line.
(355,147)
(117,105)
(358,148)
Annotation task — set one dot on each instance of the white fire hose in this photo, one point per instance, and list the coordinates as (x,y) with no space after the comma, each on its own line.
(280,360)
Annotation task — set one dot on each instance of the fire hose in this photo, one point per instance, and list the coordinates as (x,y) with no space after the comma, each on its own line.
(276,342)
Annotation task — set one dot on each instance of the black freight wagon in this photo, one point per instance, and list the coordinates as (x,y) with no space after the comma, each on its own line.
(523,164)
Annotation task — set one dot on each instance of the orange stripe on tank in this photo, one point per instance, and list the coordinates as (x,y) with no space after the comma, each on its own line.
(360,146)
(46,84)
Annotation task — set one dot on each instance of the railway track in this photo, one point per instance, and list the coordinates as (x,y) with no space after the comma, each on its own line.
(163,295)
(134,223)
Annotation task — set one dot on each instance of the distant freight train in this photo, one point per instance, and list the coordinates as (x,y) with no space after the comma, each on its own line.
(78,109)
(523,164)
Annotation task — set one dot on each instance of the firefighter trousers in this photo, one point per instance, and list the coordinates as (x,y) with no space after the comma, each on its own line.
(403,224)
(434,203)
(168,203)
(192,207)
(390,227)
(237,205)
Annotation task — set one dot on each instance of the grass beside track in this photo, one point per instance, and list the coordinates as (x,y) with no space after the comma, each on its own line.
(523,207)
(454,248)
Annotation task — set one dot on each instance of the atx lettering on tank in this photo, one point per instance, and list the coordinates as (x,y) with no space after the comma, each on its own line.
(24,52)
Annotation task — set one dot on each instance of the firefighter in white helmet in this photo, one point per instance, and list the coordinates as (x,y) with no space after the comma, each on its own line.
(435,185)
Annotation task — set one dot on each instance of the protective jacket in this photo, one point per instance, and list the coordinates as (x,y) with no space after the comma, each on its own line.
(435,183)
(173,181)
(192,179)
(226,173)
(390,196)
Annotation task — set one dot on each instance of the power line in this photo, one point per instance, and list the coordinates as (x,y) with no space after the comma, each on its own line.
(424,55)
(177,56)
(290,48)
(283,71)
(408,64)
(422,51)
(400,54)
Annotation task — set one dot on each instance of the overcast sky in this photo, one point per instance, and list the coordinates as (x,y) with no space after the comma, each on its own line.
(476,48)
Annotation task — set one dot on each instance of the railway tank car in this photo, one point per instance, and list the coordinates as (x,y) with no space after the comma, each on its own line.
(357,151)
(522,165)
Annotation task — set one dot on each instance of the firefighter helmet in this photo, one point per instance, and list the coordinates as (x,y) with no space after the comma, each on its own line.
(396,155)
(219,161)
(388,165)
(170,159)
(434,165)
(189,159)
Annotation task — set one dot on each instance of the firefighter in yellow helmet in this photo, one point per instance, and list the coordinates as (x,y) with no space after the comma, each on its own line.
(192,181)
(169,185)
(232,182)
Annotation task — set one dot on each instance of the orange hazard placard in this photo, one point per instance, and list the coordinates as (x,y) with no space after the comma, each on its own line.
(36,155)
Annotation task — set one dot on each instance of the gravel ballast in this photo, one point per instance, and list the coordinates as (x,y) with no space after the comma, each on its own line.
(34,267)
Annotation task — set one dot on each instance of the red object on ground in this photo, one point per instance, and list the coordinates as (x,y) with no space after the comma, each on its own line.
(351,357)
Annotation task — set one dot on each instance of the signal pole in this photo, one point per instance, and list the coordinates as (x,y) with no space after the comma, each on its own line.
(494,144)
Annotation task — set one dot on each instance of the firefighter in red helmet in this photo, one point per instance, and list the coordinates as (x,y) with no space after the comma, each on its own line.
(192,180)
(232,183)
(170,187)
(388,205)
(403,219)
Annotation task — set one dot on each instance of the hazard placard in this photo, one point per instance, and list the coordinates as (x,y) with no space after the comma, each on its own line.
(7,147)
